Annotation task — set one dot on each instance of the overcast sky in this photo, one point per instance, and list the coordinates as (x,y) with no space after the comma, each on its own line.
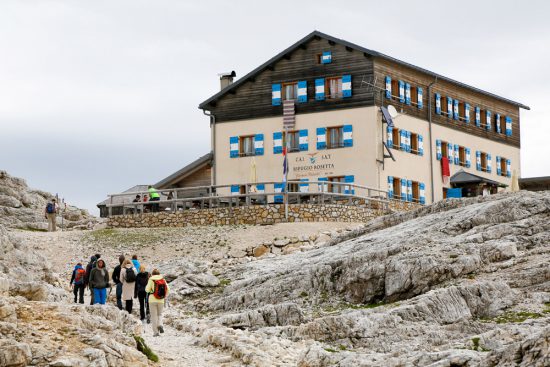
(97,96)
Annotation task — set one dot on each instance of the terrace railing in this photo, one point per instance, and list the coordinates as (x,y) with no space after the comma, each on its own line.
(293,192)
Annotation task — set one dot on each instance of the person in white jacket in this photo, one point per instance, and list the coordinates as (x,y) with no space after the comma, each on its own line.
(128,284)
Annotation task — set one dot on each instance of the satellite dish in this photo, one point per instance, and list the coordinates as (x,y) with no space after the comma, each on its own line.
(393,112)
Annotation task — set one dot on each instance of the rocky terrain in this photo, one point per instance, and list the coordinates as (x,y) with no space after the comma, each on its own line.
(458,283)
(23,207)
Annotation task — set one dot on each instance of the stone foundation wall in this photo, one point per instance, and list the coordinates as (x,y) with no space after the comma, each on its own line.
(256,215)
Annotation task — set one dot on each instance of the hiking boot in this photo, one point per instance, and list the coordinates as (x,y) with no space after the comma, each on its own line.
(161,329)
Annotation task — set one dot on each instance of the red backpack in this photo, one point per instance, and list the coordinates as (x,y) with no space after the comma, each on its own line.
(79,276)
(160,289)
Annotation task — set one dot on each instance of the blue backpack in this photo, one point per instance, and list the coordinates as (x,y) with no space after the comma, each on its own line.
(50,208)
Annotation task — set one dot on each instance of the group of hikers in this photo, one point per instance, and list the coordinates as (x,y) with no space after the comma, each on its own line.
(131,281)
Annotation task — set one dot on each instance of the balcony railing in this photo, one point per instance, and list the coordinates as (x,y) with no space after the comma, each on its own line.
(219,196)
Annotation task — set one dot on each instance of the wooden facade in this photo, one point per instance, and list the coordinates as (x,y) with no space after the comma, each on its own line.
(251,97)
(383,68)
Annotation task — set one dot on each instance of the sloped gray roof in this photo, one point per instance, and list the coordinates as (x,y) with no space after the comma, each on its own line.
(462,177)
(314,34)
(182,173)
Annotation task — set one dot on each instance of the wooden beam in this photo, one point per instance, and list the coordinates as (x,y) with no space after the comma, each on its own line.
(303,46)
(332,43)
(270,67)
(287,57)
(251,79)
(349,49)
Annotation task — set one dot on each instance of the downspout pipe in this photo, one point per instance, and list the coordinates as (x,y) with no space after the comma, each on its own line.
(430,133)
(213,145)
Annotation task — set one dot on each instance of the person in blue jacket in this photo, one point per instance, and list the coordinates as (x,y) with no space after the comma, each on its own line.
(136,263)
(78,282)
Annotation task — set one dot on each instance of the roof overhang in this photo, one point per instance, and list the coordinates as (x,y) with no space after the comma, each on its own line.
(185,171)
(464,178)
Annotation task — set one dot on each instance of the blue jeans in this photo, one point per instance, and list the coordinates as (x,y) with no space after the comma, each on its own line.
(100,295)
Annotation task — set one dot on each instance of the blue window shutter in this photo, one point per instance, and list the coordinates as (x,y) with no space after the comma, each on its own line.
(467,112)
(234,147)
(278,187)
(403,189)
(304,187)
(276,94)
(277,142)
(457,157)
(450,153)
(449,107)
(408,93)
(409,190)
(320,89)
(346,86)
(260,188)
(422,193)
(478,117)
(508,168)
(499,171)
(420,145)
(402,140)
(455,109)
(259,144)
(349,189)
(326,58)
(408,134)
(497,123)
(235,190)
(303,140)
(488,120)
(508,126)
(321,138)
(489,164)
(348,135)
(389,140)
(468,158)
(390,187)
(401,91)
(388,86)
(478,160)
(438,103)
(420,97)
(302,91)
(438,149)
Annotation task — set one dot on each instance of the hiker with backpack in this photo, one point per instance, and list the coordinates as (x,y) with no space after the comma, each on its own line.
(118,283)
(50,212)
(135,261)
(141,294)
(99,282)
(158,291)
(89,267)
(78,280)
(128,280)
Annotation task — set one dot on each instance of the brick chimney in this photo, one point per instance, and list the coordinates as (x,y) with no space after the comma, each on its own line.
(226,79)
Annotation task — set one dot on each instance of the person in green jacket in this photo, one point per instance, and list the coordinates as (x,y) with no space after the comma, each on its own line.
(155,196)
(158,290)
(99,282)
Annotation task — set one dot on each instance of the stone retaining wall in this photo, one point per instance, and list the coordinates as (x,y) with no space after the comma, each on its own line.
(256,215)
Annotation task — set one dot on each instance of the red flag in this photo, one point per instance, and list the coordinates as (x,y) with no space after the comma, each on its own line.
(445,170)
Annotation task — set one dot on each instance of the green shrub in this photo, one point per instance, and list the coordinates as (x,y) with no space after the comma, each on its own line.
(143,348)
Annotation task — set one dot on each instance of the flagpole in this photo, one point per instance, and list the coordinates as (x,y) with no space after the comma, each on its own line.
(286,172)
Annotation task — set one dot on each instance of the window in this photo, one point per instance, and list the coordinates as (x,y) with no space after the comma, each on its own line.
(246,145)
(484,120)
(396,138)
(462,156)
(444,149)
(290,91)
(395,89)
(414,96)
(414,143)
(293,187)
(483,160)
(338,189)
(397,188)
(502,124)
(334,87)
(503,171)
(335,137)
(444,106)
(293,141)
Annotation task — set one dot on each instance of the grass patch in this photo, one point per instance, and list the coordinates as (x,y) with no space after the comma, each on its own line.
(453,256)
(330,350)
(116,237)
(225,282)
(143,348)
(304,294)
(546,307)
(33,229)
(513,317)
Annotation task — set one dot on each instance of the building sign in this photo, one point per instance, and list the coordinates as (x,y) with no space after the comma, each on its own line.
(313,165)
